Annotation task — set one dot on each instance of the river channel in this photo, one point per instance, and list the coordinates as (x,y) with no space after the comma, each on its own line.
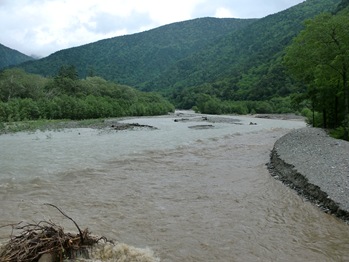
(188,194)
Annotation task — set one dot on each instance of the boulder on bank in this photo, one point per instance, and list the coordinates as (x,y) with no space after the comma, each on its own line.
(315,165)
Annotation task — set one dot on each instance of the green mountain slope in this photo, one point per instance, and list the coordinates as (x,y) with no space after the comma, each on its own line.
(246,59)
(138,58)
(9,57)
(228,59)
(343,5)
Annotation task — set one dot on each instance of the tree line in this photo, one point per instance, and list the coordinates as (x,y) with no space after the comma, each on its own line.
(25,96)
(318,59)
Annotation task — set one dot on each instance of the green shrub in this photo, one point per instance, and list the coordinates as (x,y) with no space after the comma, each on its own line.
(338,133)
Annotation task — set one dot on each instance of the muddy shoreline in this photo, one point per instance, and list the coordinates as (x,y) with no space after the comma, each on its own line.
(316,166)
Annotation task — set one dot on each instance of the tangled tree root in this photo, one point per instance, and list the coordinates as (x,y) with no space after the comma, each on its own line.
(45,237)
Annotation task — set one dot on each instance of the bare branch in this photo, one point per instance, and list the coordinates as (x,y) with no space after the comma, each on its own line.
(81,236)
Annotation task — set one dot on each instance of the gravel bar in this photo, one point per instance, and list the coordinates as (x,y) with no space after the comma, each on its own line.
(316,166)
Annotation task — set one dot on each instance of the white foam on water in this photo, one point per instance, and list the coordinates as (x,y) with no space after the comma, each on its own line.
(121,252)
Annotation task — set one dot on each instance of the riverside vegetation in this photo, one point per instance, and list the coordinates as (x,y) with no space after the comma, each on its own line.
(31,97)
(292,61)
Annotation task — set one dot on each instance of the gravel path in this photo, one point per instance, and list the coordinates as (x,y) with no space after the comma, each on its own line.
(317,166)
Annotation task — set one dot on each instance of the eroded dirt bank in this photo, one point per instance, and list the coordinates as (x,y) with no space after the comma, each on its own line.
(316,166)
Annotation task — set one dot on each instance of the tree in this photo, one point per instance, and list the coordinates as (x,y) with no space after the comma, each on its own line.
(319,57)
(16,83)
(67,79)
(68,72)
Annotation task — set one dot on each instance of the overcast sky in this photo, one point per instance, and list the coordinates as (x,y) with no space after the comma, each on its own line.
(41,27)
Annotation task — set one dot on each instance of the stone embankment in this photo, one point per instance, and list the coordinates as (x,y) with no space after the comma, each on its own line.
(316,166)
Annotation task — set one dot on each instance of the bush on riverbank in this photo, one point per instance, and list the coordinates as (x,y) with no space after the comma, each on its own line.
(212,105)
(76,108)
(30,97)
(44,124)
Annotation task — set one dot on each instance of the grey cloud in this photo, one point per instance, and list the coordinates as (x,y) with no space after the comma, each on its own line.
(4,2)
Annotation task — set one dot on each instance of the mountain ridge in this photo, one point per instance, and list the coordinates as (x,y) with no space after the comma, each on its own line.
(231,59)
(11,57)
(253,48)
(156,47)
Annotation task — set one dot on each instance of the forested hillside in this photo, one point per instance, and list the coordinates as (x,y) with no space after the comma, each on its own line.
(245,65)
(10,57)
(223,59)
(138,58)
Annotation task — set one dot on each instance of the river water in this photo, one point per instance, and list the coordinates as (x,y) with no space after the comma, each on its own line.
(188,194)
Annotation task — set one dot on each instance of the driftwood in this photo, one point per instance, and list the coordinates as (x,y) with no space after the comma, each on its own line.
(201,126)
(46,237)
(181,120)
(130,126)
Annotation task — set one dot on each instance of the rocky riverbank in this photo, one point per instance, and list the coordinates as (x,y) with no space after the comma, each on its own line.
(316,166)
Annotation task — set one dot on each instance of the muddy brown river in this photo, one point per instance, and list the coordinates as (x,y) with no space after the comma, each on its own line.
(187,194)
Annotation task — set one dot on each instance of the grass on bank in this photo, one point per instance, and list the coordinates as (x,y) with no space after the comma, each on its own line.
(44,124)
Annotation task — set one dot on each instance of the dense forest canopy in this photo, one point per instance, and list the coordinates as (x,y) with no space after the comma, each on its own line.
(26,96)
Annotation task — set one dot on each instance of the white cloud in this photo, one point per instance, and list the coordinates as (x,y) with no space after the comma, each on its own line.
(222,12)
(44,26)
